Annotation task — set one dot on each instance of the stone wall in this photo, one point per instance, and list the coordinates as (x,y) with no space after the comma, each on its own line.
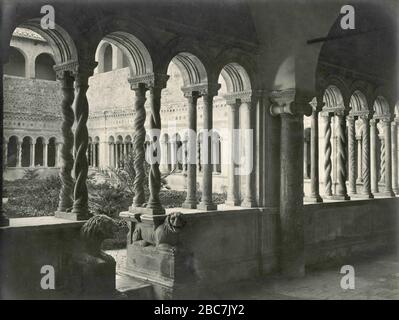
(215,248)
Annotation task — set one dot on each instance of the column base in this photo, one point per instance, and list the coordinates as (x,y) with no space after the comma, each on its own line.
(147,211)
(4,221)
(339,197)
(396,191)
(248,204)
(388,193)
(313,198)
(207,206)
(189,204)
(73,216)
(362,196)
(232,203)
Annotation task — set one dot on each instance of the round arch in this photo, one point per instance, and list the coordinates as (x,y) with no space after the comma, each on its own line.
(358,103)
(16,65)
(191,68)
(236,78)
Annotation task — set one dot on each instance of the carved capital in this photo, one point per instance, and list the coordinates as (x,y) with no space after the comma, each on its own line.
(66,67)
(150,80)
(316,105)
(286,102)
(242,96)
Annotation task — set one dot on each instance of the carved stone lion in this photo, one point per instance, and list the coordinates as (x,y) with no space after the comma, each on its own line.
(165,235)
(95,231)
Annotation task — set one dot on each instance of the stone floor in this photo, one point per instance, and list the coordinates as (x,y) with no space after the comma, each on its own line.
(375,278)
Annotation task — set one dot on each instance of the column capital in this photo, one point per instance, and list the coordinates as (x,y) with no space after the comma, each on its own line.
(189,93)
(82,68)
(286,102)
(241,96)
(316,105)
(203,89)
(149,80)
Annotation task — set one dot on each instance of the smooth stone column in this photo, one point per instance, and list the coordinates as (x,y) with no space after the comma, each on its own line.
(352,154)
(206,198)
(191,199)
(305,156)
(373,156)
(233,197)
(388,158)
(19,150)
(366,164)
(164,155)
(32,154)
(359,158)
(5,153)
(341,192)
(45,154)
(249,198)
(314,158)
(394,133)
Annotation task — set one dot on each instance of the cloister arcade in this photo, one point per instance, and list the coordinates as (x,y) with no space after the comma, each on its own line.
(305,123)
(31,152)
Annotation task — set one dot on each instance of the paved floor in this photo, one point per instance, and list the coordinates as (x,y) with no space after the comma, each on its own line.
(376,277)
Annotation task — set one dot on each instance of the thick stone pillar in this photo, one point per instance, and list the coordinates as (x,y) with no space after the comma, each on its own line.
(352,154)
(314,155)
(291,185)
(341,192)
(45,154)
(191,199)
(206,198)
(249,198)
(359,158)
(388,158)
(154,203)
(373,156)
(327,155)
(233,196)
(66,157)
(365,156)
(394,133)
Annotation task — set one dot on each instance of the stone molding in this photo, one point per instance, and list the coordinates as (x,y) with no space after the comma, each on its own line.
(284,102)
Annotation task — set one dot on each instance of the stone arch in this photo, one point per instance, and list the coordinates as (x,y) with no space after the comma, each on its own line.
(236,77)
(101,57)
(111,139)
(16,65)
(333,98)
(51,152)
(358,103)
(137,54)
(191,68)
(39,151)
(381,108)
(12,151)
(44,64)
(60,41)
(26,151)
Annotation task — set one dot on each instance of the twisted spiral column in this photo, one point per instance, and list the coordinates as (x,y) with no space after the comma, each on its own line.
(382,160)
(327,155)
(352,155)
(80,168)
(366,158)
(341,158)
(388,158)
(154,177)
(138,144)
(373,156)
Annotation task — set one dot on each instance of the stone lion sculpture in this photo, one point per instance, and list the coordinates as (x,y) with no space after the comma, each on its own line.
(165,235)
(94,232)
